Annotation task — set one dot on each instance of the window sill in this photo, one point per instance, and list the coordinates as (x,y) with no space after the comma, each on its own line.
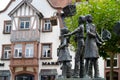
(28,57)
(5,59)
(46,31)
(24,29)
(17,57)
(113,67)
(6,33)
(42,58)
(25,58)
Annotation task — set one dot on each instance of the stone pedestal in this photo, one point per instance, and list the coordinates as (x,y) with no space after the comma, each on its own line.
(80,79)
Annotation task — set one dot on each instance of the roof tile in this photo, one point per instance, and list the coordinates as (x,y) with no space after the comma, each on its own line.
(59,3)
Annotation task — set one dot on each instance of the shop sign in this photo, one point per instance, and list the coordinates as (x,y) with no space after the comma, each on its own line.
(50,63)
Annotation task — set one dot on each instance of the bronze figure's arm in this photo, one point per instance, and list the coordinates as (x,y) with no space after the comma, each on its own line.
(91,34)
(71,33)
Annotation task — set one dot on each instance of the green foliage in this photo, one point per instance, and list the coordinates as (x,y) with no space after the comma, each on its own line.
(105,14)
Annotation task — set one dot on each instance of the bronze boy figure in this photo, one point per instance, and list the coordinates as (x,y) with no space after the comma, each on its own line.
(79,59)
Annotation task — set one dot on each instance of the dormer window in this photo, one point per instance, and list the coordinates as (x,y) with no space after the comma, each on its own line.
(25,23)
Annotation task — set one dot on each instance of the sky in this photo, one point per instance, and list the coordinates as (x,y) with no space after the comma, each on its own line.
(3,4)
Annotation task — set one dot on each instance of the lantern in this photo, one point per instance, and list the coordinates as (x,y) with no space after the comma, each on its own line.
(69,10)
(53,20)
(116,28)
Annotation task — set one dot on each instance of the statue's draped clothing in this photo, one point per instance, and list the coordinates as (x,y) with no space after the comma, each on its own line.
(91,49)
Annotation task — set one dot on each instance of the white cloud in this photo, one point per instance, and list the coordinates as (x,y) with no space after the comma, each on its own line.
(3,4)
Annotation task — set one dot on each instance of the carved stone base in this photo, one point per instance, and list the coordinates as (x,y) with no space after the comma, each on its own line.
(80,79)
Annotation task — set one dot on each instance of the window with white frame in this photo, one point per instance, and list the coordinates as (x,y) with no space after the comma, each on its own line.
(7,27)
(6,51)
(29,50)
(46,51)
(18,51)
(24,23)
(115,62)
(47,25)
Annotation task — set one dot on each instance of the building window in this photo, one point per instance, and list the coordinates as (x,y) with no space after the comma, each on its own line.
(115,62)
(4,78)
(48,74)
(5,75)
(47,77)
(115,76)
(29,50)
(47,26)
(18,51)
(25,23)
(46,51)
(24,77)
(6,52)
(7,27)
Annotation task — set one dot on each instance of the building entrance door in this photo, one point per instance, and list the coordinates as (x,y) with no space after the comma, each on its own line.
(24,77)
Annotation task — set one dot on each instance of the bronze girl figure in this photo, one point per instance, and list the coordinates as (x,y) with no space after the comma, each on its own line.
(64,54)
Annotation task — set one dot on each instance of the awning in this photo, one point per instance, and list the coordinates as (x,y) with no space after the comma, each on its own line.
(48,72)
(4,73)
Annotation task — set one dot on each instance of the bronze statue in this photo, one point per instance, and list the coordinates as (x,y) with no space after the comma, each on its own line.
(91,48)
(87,50)
(64,55)
(79,60)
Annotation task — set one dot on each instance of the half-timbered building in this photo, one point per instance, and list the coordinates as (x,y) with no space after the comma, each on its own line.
(30,31)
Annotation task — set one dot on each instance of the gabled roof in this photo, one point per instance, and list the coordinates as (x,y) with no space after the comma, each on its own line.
(29,4)
(59,3)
